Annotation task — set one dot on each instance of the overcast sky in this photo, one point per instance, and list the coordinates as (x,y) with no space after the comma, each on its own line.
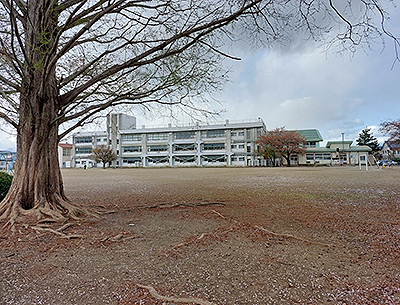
(301,86)
(312,89)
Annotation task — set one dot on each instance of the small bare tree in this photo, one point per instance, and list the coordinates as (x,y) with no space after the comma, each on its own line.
(103,154)
(392,129)
(283,142)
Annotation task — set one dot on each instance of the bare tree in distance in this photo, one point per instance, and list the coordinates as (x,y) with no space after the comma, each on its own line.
(282,142)
(65,62)
(392,129)
(103,154)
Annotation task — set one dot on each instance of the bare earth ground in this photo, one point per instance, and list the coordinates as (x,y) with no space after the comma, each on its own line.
(220,235)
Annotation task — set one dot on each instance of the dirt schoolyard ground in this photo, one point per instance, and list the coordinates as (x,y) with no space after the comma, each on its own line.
(214,236)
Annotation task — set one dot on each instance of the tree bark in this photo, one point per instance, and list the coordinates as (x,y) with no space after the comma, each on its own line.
(37,186)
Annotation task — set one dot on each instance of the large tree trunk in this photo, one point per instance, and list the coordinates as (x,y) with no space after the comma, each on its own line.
(37,186)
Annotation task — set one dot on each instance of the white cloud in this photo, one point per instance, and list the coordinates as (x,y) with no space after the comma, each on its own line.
(7,142)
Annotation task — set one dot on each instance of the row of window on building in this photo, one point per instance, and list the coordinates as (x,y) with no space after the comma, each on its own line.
(209,134)
(176,148)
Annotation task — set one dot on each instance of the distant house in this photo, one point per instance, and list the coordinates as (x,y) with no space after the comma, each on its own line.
(335,153)
(390,151)
(65,155)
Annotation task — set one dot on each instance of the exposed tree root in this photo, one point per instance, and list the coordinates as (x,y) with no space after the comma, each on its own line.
(281,235)
(292,236)
(187,243)
(164,205)
(68,236)
(158,296)
(44,211)
(119,237)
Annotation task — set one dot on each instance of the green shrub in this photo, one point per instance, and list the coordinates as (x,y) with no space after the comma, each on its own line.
(5,183)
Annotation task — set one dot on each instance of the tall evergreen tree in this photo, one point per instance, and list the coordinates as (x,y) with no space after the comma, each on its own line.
(366,138)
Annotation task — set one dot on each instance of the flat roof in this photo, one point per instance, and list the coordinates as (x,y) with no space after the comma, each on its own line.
(338,142)
(90,133)
(235,125)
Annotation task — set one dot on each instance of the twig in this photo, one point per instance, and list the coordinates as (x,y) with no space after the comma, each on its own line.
(57,232)
(158,296)
(119,237)
(219,214)
(291,236)
(189,242)
(164,205)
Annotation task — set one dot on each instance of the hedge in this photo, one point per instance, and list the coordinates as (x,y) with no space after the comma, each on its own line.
(5,183)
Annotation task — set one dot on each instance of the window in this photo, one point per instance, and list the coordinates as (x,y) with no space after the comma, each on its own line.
(248,134)
(237,146)
(130,149)
(83,150)
(213,134)
(157,136)
(237,133)
(309,157)
(322,156)
(185,147)
(310,144)
(157,148)
(66,152)
(215,158)
(185,135)
(185,159)
(131,137)
(248,148)
(158,159)
(83,140)
(214,146)
(131,160)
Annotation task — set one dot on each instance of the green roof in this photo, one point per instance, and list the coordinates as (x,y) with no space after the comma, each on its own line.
(311,135)
(338,142)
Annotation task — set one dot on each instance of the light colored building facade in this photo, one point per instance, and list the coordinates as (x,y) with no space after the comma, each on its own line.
(65,155)
(335,153)
(228,144)
(390,151)
(82,145)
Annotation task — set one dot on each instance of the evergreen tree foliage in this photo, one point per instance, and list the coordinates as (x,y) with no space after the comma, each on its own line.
(366,138)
